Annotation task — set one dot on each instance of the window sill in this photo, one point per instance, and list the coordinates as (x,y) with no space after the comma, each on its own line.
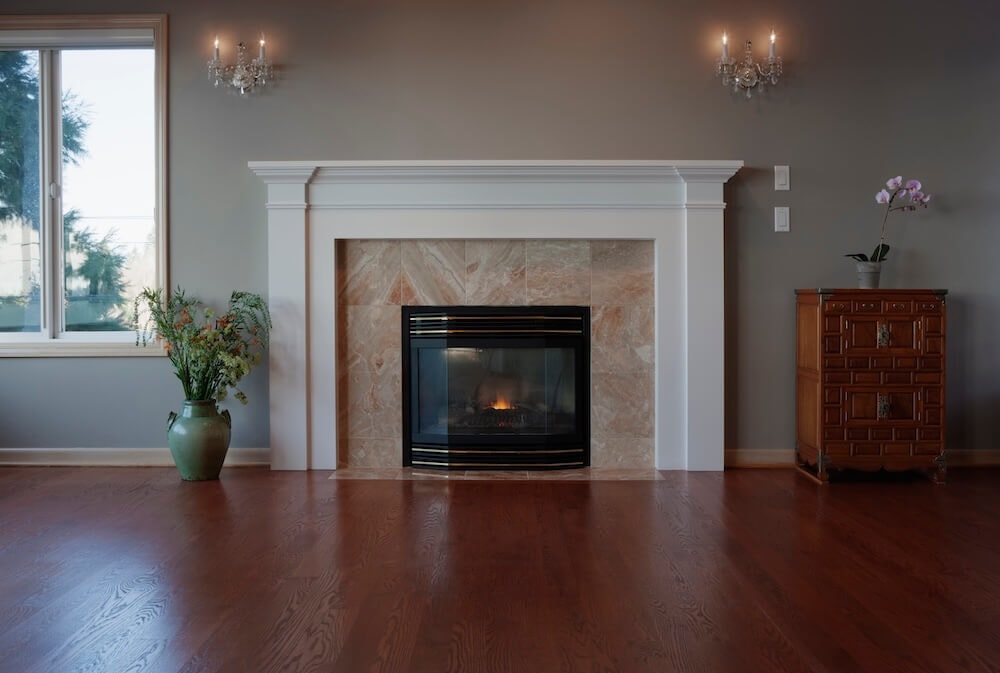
(60,348)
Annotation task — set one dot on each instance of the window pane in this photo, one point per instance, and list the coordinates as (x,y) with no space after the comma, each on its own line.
(20,243)
(109,184)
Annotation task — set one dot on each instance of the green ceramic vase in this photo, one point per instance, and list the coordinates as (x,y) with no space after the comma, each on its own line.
(199,439)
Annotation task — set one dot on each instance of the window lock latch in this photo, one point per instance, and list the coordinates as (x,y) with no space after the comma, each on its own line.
(54,190)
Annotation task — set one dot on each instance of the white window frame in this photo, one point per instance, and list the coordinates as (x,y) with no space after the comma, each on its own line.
(58,32)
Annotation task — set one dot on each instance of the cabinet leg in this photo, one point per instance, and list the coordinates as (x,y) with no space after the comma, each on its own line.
(940,474)
(817,473)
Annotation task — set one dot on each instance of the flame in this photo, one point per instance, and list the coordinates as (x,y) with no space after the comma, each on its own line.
(501,403)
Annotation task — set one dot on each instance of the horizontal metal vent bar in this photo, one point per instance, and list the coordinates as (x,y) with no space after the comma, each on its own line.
(417,318)
(491,450)
(420,332)
(417,463)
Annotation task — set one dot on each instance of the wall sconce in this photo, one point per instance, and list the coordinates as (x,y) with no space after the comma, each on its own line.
(247,75)
(747,75)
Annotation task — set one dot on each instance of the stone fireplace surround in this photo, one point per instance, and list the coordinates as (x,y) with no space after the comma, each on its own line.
(676,204)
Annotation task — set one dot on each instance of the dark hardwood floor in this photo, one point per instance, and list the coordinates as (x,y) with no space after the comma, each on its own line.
(121,569)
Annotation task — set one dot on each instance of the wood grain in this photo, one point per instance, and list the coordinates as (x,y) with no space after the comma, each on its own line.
(121,569)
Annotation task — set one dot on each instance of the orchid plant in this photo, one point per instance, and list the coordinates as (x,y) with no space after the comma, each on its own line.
(895,196)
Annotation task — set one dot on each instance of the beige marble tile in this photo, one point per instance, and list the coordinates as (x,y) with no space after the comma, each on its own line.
(494,273)
(621,405)
(620,453)
(372,338)
(622,338)
(365,452)
(373,404)
(622,272)
(433,272)
(368,272)
(557,272)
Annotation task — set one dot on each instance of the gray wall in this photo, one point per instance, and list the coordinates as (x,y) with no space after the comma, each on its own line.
(872,90)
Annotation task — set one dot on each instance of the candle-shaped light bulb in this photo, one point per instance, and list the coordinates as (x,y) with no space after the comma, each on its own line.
(725,47)
(262,49)
(216,48)
(772,44)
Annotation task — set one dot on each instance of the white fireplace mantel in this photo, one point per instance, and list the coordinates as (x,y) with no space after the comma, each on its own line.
(677,204)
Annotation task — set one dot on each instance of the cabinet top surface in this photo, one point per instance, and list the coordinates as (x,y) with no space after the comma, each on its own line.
(879,291)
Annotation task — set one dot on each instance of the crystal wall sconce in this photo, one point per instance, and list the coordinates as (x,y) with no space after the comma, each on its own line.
(246,75)
(748,75)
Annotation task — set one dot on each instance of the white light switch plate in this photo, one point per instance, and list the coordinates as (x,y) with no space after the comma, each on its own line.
(781,218)
(781,179)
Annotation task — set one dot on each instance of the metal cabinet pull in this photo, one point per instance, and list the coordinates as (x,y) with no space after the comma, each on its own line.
(884,406)
(883,334)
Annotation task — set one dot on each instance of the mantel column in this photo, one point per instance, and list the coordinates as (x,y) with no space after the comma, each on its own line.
(288,294)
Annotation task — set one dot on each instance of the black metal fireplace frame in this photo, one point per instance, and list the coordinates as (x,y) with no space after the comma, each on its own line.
(497,326)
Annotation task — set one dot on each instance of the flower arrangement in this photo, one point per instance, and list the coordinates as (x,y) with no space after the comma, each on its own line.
(910,193)
(211,353)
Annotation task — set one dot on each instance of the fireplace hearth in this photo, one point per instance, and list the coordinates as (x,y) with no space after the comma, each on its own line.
(496,387)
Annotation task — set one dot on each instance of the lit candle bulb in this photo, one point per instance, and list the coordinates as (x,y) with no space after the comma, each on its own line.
(725,47)
(216,48)
(772,44)
(262,49)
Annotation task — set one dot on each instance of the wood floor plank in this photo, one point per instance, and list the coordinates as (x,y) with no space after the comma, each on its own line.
(122,569)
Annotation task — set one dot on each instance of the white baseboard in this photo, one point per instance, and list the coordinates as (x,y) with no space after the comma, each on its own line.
(786,458)
(154,457)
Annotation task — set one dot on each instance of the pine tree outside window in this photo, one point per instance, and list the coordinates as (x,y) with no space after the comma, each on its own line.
(82,175)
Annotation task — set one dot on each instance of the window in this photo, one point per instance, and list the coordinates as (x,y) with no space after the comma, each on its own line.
(82,175)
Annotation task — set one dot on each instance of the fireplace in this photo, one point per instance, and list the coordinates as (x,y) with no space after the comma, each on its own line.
(678,205)
(489,387)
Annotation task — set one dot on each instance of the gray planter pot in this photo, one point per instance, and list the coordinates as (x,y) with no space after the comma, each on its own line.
(868,274)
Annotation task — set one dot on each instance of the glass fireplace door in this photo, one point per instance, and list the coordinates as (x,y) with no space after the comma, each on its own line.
(496,393)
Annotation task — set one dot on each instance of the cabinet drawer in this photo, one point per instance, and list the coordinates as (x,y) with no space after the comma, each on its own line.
(931,364)
(897,306)
(837,448)
(878,405)
(866,449)
(867,306)
(897,449)
(932,415)
(927,448)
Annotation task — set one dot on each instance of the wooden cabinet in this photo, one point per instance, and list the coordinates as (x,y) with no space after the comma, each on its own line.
(870,380)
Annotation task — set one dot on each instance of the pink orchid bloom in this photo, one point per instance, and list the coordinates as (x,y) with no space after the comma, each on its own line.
(887,197)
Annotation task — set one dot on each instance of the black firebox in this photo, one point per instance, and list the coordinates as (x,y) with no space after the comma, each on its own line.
(496,387)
